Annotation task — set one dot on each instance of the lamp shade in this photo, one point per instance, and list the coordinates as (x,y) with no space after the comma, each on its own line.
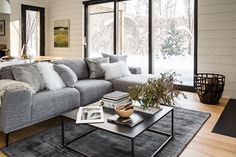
(5,7)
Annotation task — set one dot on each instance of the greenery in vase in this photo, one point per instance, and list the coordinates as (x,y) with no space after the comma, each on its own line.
(157,91)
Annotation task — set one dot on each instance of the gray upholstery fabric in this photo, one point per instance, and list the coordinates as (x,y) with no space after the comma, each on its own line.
(115,58)
(135,70)
(122,84)
(6,73)
(92,90)
(47,104)
(95,69)
(15,112)
(77,65)
(66,74)
(30,74)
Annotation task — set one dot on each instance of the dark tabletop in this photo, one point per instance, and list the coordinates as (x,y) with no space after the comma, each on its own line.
(131,132)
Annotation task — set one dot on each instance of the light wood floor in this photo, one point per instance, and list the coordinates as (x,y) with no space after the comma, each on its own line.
(204,144)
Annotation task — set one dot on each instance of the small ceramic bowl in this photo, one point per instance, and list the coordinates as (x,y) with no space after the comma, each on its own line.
(124,113)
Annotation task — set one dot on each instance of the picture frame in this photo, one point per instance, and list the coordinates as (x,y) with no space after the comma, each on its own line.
(61,33)
(2,28)
(90,114)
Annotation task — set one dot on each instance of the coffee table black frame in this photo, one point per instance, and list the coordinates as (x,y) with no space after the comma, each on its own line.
(130,133)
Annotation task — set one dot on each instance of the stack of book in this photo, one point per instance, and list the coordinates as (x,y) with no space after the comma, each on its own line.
(111,99)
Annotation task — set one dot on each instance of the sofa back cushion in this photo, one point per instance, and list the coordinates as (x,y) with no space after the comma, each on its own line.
(77,65)
(6,73)
(30,74)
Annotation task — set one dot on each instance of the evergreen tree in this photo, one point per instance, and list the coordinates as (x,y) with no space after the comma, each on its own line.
(173,42)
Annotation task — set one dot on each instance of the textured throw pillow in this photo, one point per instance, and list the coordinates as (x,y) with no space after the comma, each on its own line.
(115,70)
(95,69)
(115,58)
(30,74)
(66,74)
(51,78)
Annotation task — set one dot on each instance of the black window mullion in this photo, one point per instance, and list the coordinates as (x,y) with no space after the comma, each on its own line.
(116,26)
(86,33)
(150,47)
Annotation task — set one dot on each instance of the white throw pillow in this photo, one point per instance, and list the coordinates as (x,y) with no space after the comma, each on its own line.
(115,70)
(51,78)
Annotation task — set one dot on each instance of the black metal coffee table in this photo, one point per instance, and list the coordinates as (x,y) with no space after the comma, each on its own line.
(128,132)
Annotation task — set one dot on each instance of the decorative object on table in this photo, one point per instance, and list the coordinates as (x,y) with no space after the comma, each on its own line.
(2,28)
(31,26)
(61,33)
(209,87)
(124,110)
(111,99)
(24,52)
(157,91)
(130,121)
(90,114)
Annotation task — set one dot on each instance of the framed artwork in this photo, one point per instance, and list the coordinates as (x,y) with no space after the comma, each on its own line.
(2,27)
(61,33)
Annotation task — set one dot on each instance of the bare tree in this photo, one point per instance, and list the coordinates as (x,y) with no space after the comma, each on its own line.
(189,22)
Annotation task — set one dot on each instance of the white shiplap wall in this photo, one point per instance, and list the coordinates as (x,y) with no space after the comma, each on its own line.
(72,10)
(15,18)
(217,40)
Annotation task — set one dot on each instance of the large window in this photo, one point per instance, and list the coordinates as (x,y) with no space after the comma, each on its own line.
(101,29)
(173,38)
(157,35)
(133,32)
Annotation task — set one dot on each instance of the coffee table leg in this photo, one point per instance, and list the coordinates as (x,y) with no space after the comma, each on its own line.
(62,131)
(132,147)
(172,123)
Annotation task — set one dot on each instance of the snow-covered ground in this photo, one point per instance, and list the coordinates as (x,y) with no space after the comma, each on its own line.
(183,65)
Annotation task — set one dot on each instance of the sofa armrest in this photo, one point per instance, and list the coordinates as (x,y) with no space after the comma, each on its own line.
(15,112)
(135,70)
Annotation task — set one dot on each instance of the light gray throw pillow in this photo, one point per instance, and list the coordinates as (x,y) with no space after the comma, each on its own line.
(66,74)
(115,70)
(115,58)
(94,66)
(30,74)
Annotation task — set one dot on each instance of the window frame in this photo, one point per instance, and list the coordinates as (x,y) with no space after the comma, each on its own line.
(24,8)
(150,28)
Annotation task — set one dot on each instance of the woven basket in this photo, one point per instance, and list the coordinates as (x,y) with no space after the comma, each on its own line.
(209,87)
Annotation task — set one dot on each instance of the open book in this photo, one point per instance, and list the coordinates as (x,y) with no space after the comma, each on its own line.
(90,114)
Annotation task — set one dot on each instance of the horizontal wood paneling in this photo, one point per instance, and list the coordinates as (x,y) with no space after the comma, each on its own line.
(72,10)
(217,40)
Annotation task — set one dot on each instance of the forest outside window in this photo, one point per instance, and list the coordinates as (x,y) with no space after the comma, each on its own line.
(157,35)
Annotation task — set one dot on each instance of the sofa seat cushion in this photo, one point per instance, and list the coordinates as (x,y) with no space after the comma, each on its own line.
(47,104)
(123,83)
(92,90)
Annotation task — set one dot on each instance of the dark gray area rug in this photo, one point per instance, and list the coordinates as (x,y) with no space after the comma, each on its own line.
(103,144)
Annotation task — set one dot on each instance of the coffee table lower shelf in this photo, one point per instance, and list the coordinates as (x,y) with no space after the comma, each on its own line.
(67,143)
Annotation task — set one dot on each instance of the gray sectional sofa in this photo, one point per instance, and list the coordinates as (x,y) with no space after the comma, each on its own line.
(21,109)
